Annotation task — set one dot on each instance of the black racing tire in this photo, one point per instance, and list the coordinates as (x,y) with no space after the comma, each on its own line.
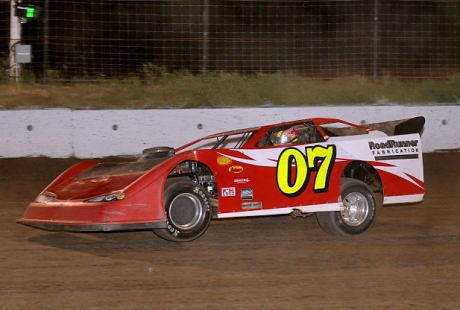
(360,210)
(188,212)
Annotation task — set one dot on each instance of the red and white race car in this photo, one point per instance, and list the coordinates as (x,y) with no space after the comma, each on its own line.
(337,170)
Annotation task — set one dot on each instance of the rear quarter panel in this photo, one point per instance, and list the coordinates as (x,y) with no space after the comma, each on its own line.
(397,159)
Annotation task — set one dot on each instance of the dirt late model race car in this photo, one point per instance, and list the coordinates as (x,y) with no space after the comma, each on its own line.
(337,170)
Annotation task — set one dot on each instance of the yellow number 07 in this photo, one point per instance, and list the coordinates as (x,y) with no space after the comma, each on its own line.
(292,182)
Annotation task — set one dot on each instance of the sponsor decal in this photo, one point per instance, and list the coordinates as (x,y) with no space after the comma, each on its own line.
(247,193)
(392,149)
(228,192)
(390,144)
(242,181)
(223,161)
(251,205)
(294,169)
(235,169)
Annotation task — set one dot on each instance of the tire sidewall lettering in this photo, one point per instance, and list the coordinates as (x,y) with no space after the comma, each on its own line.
(200,193)
(197,190)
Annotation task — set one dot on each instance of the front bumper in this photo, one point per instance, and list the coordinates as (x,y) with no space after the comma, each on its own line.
(76,216)
(90,227)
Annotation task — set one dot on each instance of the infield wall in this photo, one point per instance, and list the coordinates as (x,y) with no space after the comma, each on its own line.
(62,133)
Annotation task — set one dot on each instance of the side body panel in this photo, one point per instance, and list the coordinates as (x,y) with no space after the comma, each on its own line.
(265,181)
(141,208)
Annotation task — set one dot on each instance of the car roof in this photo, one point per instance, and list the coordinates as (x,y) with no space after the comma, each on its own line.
(260,131)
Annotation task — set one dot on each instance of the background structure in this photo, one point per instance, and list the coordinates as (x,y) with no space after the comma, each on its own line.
(91,40)
(61,133)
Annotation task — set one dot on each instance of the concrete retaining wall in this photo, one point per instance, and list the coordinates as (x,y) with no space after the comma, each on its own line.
(61,133)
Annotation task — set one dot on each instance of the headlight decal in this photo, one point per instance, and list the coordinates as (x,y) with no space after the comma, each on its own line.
(108,198)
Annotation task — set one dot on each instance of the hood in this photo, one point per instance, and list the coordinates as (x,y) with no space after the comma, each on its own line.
(102,179)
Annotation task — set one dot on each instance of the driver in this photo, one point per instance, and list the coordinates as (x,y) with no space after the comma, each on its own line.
(293,135)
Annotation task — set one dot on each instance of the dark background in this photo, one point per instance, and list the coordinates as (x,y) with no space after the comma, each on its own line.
(412,39)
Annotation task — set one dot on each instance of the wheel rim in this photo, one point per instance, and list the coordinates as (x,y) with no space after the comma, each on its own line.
(356,209)
(185,211)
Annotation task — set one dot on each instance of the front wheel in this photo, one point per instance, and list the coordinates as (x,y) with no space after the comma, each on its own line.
(188,212)
(359,212)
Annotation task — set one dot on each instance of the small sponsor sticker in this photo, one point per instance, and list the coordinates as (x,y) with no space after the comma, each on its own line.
(223,161)
(251,205)
(242,181)
(247,193)
(235,169)
(228,191)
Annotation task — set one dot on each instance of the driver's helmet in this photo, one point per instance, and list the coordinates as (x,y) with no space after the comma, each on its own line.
(285,137)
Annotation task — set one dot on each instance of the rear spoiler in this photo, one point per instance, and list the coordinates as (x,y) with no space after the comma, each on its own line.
(400,127)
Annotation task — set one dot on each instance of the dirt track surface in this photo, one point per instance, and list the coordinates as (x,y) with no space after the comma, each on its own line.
(410,259)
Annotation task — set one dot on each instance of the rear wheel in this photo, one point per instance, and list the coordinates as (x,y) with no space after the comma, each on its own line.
(359,212)
(188,212)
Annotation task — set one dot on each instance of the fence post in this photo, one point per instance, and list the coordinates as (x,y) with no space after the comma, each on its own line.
(204,64)
(45,41)
(15,39)
(375,65)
